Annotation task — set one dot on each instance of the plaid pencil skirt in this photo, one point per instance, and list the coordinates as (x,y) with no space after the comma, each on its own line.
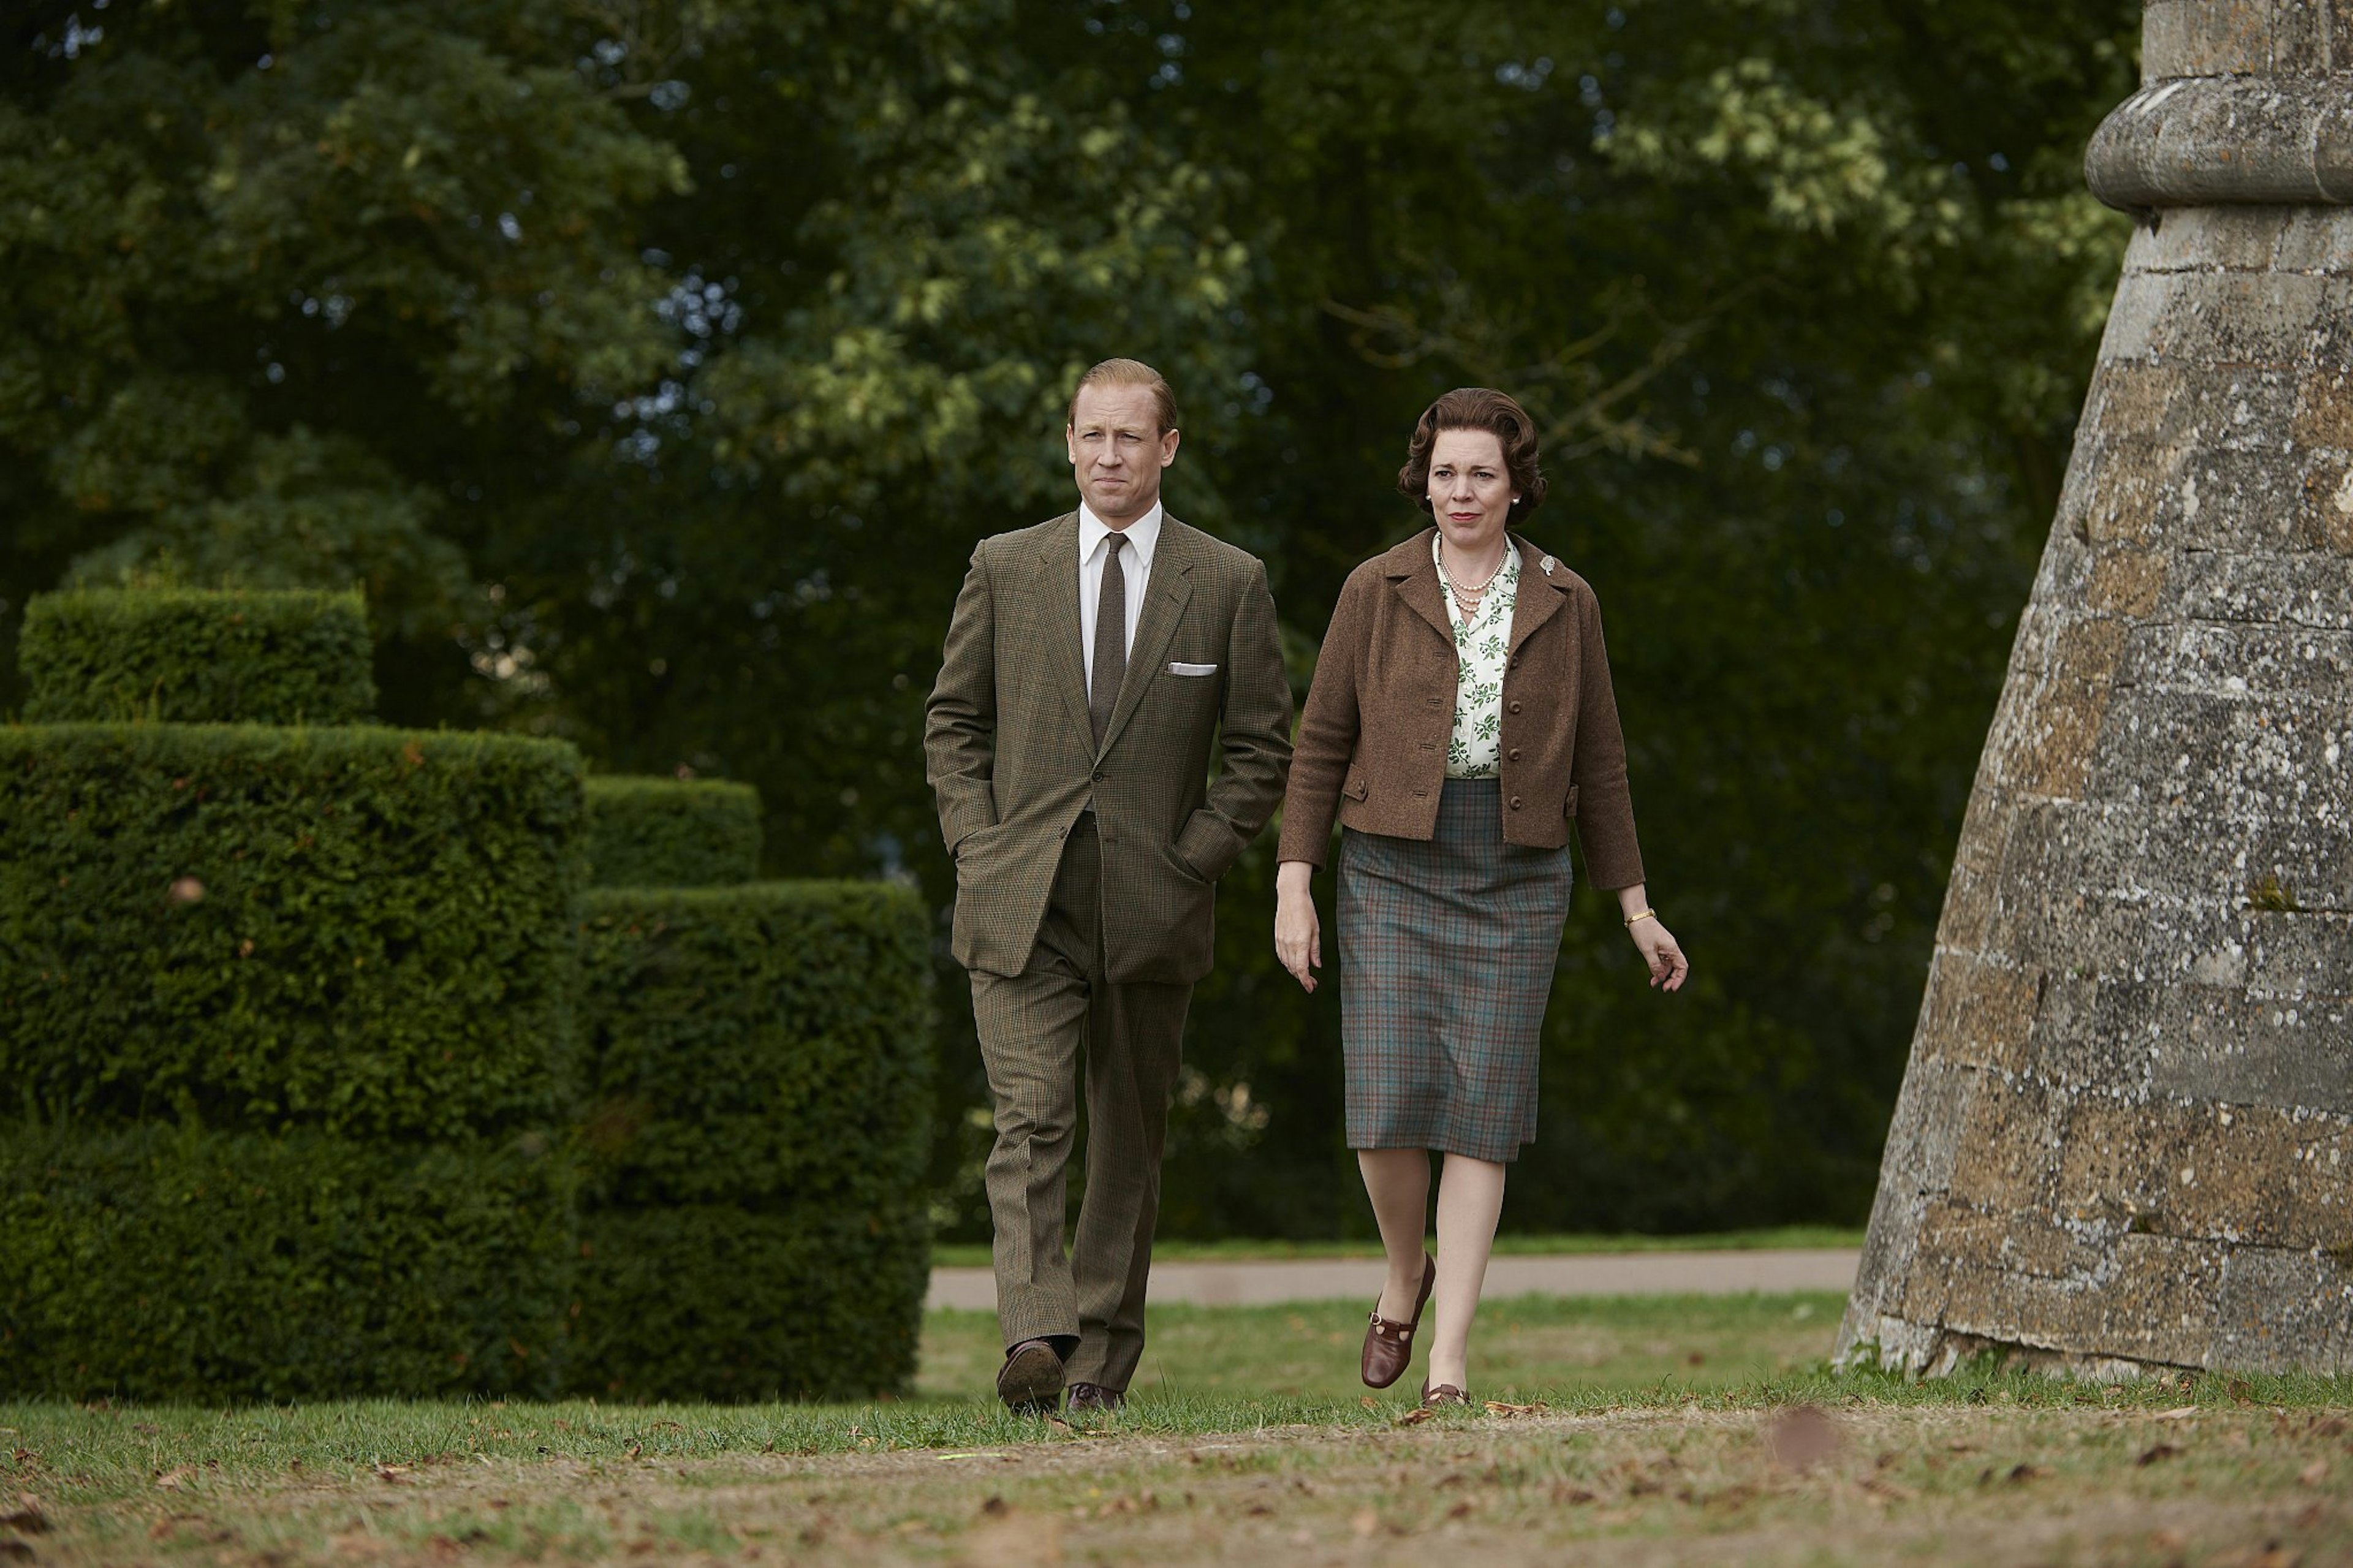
(1446,953)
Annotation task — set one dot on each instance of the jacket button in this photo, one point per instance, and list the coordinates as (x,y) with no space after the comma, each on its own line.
(1515,661)
(1515,707)
(1099,777)
(1515,802)
(1516,753)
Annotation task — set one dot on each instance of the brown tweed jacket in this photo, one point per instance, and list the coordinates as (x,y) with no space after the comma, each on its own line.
(1372,743)
(1010,754)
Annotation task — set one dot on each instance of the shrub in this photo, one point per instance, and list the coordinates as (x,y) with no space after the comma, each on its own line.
(719,1301)
(672,832)
(163,1262)
(189,655)
(754,1062)
(362,929)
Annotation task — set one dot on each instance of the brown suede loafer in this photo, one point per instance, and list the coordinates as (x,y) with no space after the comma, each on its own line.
(1095,1399)
(1389,1346)
(1443,1394)
(1031,1380)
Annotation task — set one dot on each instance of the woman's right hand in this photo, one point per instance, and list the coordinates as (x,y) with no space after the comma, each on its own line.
(1298,940)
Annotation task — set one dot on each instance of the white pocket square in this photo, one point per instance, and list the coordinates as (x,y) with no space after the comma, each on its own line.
(1180,667)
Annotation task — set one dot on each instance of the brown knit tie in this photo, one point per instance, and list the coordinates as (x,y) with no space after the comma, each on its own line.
(1111,641)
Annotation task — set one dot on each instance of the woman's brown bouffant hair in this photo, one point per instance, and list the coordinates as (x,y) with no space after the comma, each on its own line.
(1477,408)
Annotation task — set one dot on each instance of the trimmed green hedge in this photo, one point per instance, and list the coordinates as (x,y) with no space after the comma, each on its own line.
(652,832)
(161,1262)
(754,1066)
(368,931)
(189,655)
(715,1301)
(754,1042)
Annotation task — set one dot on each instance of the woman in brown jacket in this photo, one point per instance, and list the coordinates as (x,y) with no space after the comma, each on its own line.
(1459,720)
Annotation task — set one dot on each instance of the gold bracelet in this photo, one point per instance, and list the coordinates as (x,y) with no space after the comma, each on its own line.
(1645,915)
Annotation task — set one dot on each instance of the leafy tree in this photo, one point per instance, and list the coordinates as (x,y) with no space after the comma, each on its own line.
(656,363)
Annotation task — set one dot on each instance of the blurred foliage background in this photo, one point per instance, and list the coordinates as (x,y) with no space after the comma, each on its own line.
(655,363)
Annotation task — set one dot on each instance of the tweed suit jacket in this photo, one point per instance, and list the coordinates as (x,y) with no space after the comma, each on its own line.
(1011,756)
(1372,743)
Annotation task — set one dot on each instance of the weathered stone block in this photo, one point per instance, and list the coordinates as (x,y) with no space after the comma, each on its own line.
(1969,890)
(2093,1032)
(2131,400)
(2204,238)
(2143,300)
(2324,515)
(2121,492)
(1975,1011)
(2011,1133)
(2047,749)
(2259,319)
(2206,37)
(2310,853)
(2227,498)
(2156,1302)
(2247,765)
(2284,1311)
(2225,1172)
(2321,239)
(2126,582)
(2324,408)
(2300,954)
(1955,1238)
(2218,1044)
(2238,585)
(2253,660)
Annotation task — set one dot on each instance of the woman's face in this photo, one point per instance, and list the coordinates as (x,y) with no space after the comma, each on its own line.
(1469,490)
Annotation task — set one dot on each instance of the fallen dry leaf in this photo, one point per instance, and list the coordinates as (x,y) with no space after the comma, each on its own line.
(171,1480)
(2180,1412)
(1013,1538)
(1415,1416)
(1497,1408)
(1801,1438)
(2161,1451)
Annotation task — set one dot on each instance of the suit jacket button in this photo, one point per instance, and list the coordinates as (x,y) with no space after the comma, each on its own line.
(1515,707)
(1515,802)
(1516,753)
(1099,778)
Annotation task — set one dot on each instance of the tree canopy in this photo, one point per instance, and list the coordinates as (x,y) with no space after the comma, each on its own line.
(655,364)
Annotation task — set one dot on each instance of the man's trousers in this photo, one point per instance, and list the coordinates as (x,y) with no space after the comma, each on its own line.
(1035,1027)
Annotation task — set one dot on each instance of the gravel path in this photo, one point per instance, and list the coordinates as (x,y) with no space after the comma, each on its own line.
(1215,1284)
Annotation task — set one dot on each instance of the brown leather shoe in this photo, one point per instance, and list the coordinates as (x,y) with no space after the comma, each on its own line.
(1389,1346)
(1095,1399)
(1031,1380)
(1443,1394)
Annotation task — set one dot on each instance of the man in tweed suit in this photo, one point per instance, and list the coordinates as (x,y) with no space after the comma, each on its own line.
(1093,666)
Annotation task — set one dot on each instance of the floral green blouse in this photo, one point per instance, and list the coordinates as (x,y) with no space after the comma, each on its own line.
(1483,646)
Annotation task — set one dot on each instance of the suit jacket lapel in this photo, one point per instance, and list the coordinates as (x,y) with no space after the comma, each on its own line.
(1415,571)
(1164,606)
(1534,605)
(1058,597)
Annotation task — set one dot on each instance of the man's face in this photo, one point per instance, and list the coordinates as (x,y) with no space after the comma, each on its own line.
(1117,451)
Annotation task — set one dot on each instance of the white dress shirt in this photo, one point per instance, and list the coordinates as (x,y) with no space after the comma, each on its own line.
(1142,535)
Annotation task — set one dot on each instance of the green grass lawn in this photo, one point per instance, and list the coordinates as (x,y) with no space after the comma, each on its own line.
(1663,1429)
(974,1255)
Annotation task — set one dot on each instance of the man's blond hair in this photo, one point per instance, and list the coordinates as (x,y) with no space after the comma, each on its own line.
(1129,373)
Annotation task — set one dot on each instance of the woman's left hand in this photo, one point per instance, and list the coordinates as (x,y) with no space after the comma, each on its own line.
(1660,950)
